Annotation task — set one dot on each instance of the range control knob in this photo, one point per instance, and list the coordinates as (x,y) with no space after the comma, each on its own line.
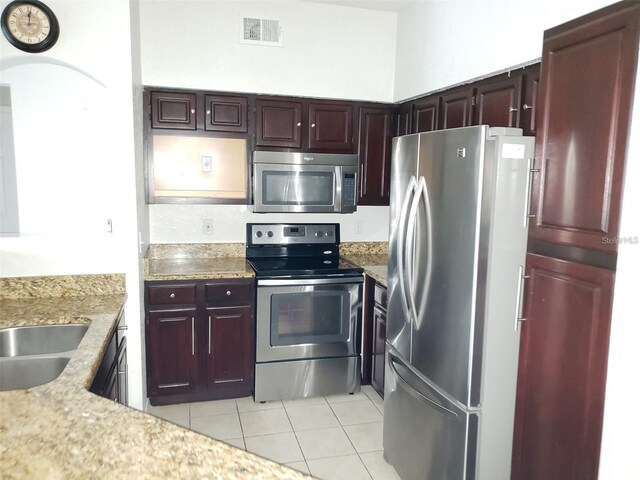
(318,234)
(269,234)
(258,234)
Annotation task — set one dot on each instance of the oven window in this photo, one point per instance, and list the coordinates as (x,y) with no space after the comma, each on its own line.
(297,188)
(309,317)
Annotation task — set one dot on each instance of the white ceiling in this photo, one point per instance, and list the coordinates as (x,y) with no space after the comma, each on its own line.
(385,5)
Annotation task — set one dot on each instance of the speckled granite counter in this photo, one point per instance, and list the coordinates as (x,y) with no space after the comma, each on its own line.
(196,261)
(61,430)
(372,256)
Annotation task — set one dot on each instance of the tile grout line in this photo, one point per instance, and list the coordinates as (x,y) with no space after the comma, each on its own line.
(351,441)
(295,435)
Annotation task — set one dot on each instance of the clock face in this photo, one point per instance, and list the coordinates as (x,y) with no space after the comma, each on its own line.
(30,25)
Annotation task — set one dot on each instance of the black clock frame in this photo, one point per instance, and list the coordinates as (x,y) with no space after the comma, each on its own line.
(54,27)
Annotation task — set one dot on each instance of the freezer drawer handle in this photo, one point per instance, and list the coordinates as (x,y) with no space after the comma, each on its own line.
(416,393)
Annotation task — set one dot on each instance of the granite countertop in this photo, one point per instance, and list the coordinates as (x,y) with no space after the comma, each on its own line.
(371,256)
(61,430)
(196,261)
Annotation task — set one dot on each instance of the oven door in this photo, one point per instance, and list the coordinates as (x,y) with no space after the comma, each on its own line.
(296,188)
(308,318)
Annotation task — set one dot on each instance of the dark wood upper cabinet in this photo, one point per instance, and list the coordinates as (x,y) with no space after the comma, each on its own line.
(402,117)
(278,123)
(456,108)
(587,83)
(498,102)
(562,370)
(529,107)
(330,127)
(173,110)
(426,113)
(374,156)
(225,113)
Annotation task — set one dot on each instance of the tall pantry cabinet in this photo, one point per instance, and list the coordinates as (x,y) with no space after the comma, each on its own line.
(586,91)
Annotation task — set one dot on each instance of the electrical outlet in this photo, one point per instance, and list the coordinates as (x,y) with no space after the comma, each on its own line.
(207,226)
(359,227)
(206,164)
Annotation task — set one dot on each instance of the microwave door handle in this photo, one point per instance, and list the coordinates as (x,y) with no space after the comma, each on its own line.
(337,188)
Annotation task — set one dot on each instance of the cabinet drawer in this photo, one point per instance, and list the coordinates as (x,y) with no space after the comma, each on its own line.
(230,293)
(380,296)
(172,294)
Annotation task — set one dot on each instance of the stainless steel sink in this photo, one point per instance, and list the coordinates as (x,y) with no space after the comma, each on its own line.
(32,356)
(26,372)
(19,341)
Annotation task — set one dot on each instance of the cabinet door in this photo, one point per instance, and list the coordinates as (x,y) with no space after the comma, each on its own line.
(171,351)
(402,124)
(173,110)
(498,102)
(374,156)
(229,347)
(379,340)
(330,127)
(562,369)
(426,113)
(123,373)
(225,113)
(586,87)
(530,100)
(278,124)
(456,109)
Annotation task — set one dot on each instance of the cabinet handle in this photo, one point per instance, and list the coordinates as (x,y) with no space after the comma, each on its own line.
(527,107)
(124,327)
(361,178)
(298,124)
(208,112)
(193,110)
(512,109)
(193,336)
(209,334)
(313,125)
(173,295)
(228,292)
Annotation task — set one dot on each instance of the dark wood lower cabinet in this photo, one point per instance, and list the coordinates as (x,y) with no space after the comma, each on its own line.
(379,340)
(203,350)
(562,370)
(230,336)
(111,377)
(171,355)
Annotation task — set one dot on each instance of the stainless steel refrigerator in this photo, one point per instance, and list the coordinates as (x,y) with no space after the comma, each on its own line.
(459,204)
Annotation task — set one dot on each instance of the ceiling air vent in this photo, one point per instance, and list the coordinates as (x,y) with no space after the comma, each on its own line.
(259,31)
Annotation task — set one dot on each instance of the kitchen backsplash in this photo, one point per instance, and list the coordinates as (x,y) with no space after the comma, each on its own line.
(171,224)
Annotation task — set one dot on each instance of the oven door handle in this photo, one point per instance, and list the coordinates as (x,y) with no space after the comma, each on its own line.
(309,281)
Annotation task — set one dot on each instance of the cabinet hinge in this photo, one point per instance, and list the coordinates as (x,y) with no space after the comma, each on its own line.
(473,101)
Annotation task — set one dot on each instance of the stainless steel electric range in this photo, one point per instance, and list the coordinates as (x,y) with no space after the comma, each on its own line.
(308,311)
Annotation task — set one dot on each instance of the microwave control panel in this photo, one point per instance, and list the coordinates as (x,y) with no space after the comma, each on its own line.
(349,190)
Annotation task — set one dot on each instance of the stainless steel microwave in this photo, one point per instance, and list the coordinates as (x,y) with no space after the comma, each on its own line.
(304,182)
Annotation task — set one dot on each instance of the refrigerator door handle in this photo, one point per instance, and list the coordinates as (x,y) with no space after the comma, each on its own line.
(402,253)
(424,292)
(410,248)
(416,394)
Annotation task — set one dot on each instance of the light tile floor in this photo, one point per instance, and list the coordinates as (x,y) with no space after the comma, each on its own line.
(331,438)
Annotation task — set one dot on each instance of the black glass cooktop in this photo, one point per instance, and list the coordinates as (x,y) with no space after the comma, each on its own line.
(303,267)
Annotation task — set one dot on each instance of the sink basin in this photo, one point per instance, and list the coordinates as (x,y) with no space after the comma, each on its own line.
(19,341)
(32,356)
(26,372)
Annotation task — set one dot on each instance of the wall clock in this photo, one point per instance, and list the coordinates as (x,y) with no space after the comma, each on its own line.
(30,25)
